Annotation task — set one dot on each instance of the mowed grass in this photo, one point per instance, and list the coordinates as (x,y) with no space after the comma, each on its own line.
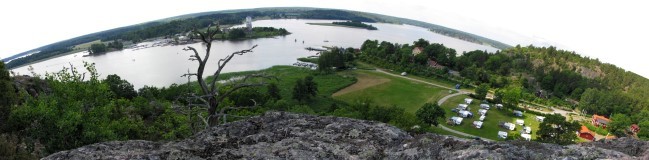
(84,46)
(391,91)
(490,126)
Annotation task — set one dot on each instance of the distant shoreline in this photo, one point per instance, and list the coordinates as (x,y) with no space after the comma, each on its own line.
(336,25)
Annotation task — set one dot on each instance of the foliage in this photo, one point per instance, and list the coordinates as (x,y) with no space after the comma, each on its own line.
(555,129)
(98,48)
(8,96)
(619,124)
(337,58)
(273,91)
(431,114)
(81,111)
(356,24)
(481,91)
(305,89)
(120,87)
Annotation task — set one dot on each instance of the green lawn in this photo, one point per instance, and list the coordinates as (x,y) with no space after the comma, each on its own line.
(397,91)
(287,75)
(490,126)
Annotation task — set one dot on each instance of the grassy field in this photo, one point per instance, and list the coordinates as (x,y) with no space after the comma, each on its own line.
(287,75)
(490,126)
(388,90)
(84,46)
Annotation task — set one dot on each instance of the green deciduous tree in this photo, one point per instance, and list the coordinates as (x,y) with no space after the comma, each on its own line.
(481,91)
(273,91)
(555,129)
(430,114)
(121,88)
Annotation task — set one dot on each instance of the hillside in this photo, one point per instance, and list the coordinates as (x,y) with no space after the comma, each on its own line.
(185,23)
(279,135)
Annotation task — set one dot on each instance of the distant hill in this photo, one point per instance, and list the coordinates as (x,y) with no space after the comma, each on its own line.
(184,23)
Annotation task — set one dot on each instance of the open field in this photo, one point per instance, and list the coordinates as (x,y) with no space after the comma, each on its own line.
(490,126)
(391,91)
(364,81)
(84,46)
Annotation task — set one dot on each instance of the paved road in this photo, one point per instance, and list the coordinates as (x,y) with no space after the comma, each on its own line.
(440,101)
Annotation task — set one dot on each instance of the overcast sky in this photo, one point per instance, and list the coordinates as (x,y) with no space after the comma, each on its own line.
(613,31)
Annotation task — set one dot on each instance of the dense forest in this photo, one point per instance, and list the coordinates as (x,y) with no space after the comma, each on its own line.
(182,24)
(542,74)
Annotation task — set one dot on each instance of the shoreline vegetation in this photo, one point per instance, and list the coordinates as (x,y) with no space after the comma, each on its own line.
(184,23)
(347,24)
(241,34)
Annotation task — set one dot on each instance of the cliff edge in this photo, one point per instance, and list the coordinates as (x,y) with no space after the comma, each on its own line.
(280,135)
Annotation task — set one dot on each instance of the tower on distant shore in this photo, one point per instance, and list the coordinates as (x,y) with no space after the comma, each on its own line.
(249,23)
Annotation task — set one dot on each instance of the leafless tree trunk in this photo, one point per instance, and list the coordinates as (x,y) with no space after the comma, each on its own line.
(210,95)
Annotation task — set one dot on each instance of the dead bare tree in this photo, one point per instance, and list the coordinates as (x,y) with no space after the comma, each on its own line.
(211,93)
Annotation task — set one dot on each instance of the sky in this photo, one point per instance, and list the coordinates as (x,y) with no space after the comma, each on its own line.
(611,31)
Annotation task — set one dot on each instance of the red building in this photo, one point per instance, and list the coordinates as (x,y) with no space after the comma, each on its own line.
(586,134)
(600,121)
(634,128)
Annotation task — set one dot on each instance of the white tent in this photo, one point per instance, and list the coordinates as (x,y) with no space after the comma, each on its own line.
(484,106)
(482,118)
(540,118)
(468,100)
(527,129)
(499,106)
(510,126)
(457,120)
(482,111)
(404,73)
(477,124)
(502,134)
(527,137)
(465,114)
(520,122)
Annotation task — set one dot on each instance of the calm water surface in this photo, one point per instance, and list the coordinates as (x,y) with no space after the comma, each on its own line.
(163,66)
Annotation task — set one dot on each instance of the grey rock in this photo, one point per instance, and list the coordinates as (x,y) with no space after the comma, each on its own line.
(279,135)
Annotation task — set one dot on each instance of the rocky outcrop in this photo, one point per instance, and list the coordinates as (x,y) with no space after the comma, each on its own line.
(279,135)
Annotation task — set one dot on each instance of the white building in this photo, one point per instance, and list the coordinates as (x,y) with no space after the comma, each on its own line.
(465,114)
(499,106)
(249,23)
(520,122)
(477,124)
(502,134)
(462,106)
(527,129)
(540,118)
(484,106)
(518,113)
(468,100)
(510,126)
(457,120)
(482,112)
(527,137)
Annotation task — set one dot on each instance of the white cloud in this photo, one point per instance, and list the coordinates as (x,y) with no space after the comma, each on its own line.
(613,31)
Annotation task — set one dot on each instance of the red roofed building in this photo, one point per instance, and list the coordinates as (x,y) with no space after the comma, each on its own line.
(586,134)
(600,121)
(634,128)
